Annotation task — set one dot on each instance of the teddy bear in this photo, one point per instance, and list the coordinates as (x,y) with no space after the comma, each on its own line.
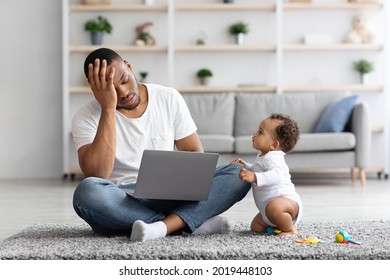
(143,35)
(362,32)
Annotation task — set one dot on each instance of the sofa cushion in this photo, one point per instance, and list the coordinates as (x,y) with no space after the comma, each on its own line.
(336,115)
(217,143)
(308,142)
(306,109)
(213,113)
(312,142)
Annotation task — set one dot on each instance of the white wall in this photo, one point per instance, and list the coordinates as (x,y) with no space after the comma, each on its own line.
(30,79)
(30,89)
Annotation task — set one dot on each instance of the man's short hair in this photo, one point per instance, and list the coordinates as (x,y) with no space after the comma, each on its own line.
(102,53)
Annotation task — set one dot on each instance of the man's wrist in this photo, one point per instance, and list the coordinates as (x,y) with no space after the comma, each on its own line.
(108,110)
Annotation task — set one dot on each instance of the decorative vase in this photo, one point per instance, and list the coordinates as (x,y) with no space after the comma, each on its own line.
(240,38)
(228,1)
(97,38)
(364,79)
(204,81)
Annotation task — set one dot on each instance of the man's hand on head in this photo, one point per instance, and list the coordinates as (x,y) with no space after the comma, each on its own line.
(102,84)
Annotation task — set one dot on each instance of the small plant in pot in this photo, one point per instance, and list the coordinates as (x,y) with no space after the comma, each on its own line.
(202,37)
(97,27)
(143,75)
(363,67)
(204,75)
(239,30)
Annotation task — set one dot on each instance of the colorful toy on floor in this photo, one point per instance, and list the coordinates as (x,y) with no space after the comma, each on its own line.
(311,240)
(275,230)
(344,238)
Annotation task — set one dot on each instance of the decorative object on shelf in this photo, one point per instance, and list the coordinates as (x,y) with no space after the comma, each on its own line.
(149,2)
(239,30)
(144,38)
(300,1)
(143,75)
(204,76)
(228,1)
(97,27)
(201,38)
(363,67)
(96,2)
(317,39)
(362,31)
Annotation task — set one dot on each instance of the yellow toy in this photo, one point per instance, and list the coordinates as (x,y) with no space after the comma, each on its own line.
(275,230)
(341,237)
(311,240)
(344,238)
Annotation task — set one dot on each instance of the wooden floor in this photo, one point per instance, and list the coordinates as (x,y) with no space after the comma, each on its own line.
(24,203)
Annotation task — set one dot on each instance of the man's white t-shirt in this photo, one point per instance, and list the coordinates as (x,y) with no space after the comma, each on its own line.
(165,119)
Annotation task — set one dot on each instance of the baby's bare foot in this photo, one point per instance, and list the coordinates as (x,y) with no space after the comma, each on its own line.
(293,232)
(284,233)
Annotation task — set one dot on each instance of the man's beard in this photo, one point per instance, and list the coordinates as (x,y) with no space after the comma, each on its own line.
(130,107)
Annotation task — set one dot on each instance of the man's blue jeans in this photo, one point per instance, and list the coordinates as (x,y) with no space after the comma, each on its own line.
(109,210)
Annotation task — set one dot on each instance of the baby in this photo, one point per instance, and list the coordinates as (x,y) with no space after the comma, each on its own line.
(275,196)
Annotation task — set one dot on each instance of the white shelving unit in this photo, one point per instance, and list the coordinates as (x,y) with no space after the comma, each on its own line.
(169,50)
(386,130)
(332,6)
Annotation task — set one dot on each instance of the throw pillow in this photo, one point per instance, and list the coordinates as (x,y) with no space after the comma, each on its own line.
(336,115)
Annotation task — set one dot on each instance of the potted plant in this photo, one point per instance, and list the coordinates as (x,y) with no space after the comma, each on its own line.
(363,67)
(201,38)
(204,75)
(239,30)
(97,27)
(143,75)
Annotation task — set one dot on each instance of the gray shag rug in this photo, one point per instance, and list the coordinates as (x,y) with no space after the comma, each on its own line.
(78,242)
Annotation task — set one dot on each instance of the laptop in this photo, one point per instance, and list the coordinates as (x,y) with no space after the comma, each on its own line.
(175,175)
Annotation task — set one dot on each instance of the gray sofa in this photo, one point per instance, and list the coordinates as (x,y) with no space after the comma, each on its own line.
(227,121)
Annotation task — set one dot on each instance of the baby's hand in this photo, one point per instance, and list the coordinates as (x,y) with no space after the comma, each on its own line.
(239,161)
(247,176)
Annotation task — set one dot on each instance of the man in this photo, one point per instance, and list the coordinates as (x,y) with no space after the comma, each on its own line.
(112,131)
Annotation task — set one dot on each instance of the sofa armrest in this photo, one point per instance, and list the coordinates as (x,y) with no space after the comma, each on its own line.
(361,127)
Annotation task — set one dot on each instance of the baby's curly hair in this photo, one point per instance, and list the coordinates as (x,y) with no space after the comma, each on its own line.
(287,132)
